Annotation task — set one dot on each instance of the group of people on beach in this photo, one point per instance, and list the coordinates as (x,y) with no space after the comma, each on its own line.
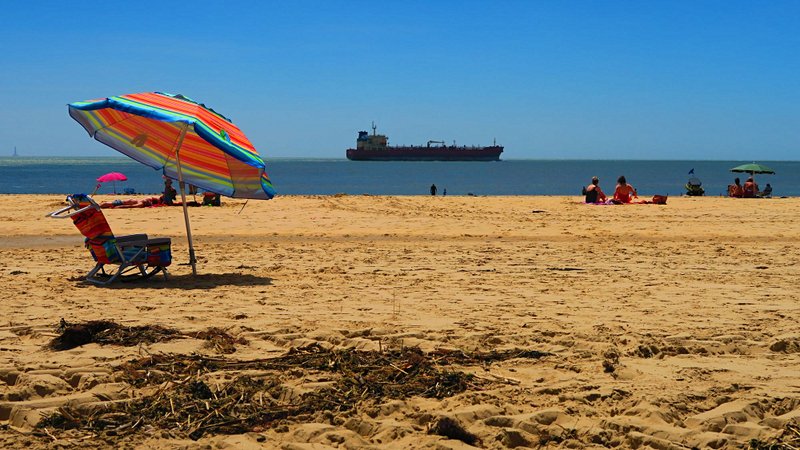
(167,198)
(623,193)
(748,190)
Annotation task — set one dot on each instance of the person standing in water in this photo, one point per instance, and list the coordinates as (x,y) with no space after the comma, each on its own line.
(433,189)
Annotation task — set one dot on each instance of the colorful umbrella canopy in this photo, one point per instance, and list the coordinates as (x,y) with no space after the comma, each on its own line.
(215,155)
(112,176)
(184,139)
(752,169)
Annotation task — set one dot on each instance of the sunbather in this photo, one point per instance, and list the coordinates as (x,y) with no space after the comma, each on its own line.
(735,189)
(593,192)
(624,191)
(144,203)
(132,203)
(750,188)
(169,192)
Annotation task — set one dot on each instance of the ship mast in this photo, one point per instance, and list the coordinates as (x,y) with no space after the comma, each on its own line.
(373,128)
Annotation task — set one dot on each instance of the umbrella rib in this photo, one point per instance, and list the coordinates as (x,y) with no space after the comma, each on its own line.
(233,185)
(111,124)
(173,153)
(169,157)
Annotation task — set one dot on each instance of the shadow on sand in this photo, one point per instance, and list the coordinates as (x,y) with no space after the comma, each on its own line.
(201,281)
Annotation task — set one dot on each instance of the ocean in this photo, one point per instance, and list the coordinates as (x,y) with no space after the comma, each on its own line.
(63,175)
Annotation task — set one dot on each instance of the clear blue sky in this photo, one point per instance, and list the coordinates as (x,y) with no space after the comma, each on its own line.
(694,79)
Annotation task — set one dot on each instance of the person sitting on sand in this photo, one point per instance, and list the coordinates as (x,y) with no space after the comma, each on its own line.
(211,199)
(750,188)
(767,192)
(170,194)
(593,192)
(735,189)
(624,191)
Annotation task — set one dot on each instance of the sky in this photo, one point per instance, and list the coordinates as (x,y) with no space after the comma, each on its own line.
(558,79)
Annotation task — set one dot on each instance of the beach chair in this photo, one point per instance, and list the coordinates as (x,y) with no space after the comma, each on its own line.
(694,187)
(134,256)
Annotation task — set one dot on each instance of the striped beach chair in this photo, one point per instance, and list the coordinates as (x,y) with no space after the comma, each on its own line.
(133,257)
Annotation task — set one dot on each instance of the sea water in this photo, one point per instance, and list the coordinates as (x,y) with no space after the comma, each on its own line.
(63,175)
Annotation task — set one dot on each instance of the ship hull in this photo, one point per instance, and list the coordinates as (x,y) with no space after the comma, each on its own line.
(491,153)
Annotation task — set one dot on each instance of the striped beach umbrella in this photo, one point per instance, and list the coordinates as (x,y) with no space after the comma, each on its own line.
(182,138)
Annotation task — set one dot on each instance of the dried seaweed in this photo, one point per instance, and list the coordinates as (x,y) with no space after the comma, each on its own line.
(194,395)
(219,340)
(107,332)
(111,333)
(788,440)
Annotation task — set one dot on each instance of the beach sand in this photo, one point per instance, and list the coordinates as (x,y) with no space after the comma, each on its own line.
(663,326)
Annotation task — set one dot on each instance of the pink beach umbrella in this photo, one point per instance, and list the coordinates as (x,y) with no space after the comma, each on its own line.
(113,177)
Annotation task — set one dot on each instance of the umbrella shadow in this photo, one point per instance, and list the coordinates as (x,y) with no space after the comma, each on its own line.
(191,282)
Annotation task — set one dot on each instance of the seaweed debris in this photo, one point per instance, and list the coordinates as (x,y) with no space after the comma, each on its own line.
(107,332)
(111,333)
(219,340)
(193,395)
(788,440)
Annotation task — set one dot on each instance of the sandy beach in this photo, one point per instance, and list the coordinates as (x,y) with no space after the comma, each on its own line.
(666,327)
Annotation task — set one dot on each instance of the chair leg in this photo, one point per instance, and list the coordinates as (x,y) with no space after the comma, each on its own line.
(90,276)
(135,271)
(119,272)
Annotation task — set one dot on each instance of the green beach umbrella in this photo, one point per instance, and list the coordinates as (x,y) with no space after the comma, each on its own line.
(752,169)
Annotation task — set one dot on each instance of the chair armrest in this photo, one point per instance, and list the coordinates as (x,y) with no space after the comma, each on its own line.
(64,214)
(132,240)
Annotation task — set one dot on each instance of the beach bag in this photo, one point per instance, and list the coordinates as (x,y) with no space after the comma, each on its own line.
(159,252)
(211,199)
(659,199)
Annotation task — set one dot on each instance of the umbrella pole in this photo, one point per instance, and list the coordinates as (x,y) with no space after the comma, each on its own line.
(192,259)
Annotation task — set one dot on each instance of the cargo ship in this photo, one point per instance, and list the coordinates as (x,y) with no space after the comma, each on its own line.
(375,147)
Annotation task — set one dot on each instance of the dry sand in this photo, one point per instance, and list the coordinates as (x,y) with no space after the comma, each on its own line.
(667,326)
